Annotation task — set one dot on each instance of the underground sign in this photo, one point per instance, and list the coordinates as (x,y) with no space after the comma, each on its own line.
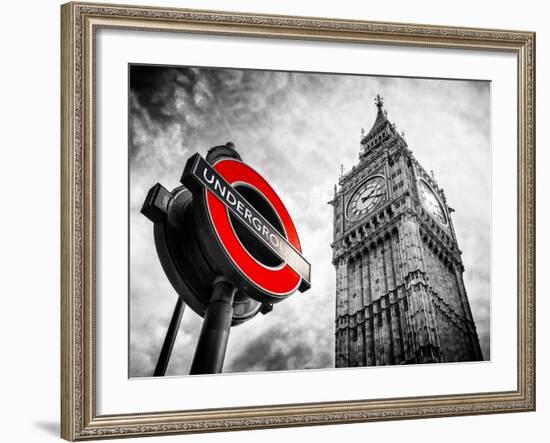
(247,232)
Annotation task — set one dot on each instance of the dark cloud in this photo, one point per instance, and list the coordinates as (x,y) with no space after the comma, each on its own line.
(277,350)
(296,129)
(156,91)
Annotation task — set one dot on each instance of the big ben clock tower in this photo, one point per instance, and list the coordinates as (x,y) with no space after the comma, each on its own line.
(400,294)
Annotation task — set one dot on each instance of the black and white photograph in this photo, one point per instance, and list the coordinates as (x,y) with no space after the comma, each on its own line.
(283,221)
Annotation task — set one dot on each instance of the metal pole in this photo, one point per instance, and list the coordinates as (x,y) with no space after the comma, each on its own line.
(210,351)
(171,334)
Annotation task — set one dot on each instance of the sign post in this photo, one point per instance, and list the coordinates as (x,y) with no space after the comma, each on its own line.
(210,351)
(229,248)
(170,339)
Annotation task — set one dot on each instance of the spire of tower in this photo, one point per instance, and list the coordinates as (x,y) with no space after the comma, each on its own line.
(379,125)
(381,115)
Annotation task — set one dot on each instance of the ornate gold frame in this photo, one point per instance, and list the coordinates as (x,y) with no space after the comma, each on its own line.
(79,21)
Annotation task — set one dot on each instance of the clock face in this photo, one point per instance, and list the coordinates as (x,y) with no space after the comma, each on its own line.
(366,197)
(431,202)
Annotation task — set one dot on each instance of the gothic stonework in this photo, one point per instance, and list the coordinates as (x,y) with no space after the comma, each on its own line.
(400,294)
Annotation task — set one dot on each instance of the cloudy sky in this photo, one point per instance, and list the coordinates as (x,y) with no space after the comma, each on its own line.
(296,129)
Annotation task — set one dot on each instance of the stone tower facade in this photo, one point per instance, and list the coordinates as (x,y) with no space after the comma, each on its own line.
(400,294)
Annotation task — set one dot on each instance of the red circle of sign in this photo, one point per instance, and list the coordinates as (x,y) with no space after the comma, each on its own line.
(276,281)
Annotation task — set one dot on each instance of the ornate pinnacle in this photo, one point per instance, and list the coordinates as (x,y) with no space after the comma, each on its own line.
(379,101)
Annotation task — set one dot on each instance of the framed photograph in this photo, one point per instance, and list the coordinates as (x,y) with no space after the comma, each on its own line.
(283,221)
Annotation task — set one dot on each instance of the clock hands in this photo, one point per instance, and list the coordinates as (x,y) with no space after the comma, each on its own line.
(370,195)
